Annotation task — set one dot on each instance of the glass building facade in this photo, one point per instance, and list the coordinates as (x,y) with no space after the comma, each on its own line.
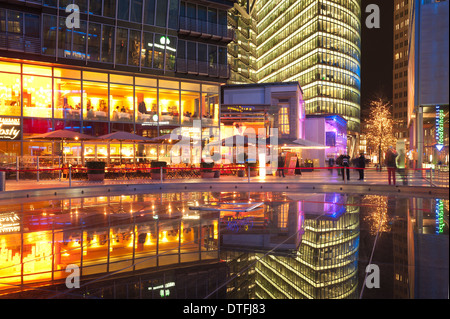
(314,42)
(325,266)
(124,67)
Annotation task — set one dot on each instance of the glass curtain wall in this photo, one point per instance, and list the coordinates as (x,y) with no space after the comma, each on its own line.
(97,103)
(318,44)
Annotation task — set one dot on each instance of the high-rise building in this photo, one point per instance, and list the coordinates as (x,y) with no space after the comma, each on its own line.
(400,72)
(316,43)
(96,67)
(428,82)
(242,51)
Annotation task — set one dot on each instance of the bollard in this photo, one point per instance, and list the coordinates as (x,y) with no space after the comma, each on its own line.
(70,175)
(431,177)
(17,169)
(2,181)
(37,166)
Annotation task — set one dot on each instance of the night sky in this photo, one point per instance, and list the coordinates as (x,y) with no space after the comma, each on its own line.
(377,52)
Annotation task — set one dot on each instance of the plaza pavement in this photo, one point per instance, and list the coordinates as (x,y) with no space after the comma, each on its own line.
(332,178)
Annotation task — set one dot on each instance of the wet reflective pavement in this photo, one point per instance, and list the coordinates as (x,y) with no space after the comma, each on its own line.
(226,245)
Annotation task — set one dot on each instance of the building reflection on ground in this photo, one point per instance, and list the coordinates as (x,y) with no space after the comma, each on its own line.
(295,245)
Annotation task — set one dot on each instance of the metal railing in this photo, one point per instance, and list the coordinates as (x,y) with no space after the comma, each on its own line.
(204,27)
(144,173)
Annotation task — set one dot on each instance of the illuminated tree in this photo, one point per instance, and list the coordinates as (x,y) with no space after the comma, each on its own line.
(379,126)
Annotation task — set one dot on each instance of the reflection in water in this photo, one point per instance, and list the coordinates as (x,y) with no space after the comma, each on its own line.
(324,264)
(378,218)
(293,246)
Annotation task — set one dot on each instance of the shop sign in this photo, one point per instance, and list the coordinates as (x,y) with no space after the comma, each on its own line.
(240,109)
(9,223)
(439,213)
(10,128)
(439,128)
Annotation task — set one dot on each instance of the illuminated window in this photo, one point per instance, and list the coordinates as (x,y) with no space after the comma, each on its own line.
(67,99)
(95,100)
(10,87)
(190,106)
(283,120)
(210,105)
(37,96)
(121,103)
(169,106)
(146,105)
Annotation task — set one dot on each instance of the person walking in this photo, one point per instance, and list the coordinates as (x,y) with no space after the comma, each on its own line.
(361,165)
(345,163)
(339,163)
(400,161)
(390,162)
(281,160)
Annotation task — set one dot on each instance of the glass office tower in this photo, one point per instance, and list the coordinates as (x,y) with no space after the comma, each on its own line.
(314,42)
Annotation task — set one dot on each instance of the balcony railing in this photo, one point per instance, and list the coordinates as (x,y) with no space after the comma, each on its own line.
(203,68)
(204,28)
(19,42)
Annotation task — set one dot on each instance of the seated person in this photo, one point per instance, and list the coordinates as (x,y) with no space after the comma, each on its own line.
(90,112)
(142,108)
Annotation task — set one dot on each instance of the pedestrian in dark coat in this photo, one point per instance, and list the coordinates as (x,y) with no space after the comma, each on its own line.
(361,165)
(346,164)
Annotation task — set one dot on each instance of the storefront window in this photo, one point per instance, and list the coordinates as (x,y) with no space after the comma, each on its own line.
(190,107)
(123,127)
(69,125)
(146,130)
(37,96)
(10,87)
(121,79)
(95,76)
(210,105)
(169,106)
(67,73)
(67,99)
(9,152)
(95,101)
(121,102)
(37,70)
(146,105)
(95,128)
(36,126)
(145,82)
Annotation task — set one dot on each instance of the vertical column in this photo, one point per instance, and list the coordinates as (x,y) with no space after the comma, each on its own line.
(419,137)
